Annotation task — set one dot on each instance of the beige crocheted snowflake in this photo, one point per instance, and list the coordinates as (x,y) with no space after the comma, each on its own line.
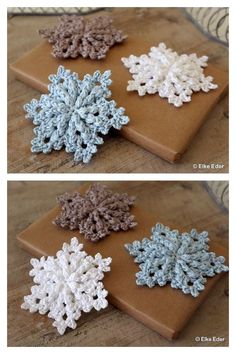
(75,36)
(96,213)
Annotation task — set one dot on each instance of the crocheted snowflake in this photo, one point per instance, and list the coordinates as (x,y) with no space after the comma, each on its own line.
(97,213)
(74,114)
(183,260)
(173,76)
(75,36)
(67,285)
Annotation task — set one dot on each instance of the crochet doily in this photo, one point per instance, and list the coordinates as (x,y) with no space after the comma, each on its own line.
(74,114)
(67,285)
(96,213)
(169,74)
(75,36)
(182,260)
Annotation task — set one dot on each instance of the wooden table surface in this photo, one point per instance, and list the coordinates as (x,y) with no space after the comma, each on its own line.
(210,145)
(185,201)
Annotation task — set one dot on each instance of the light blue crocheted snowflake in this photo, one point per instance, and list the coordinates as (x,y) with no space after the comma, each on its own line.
(74,114)
(182,260)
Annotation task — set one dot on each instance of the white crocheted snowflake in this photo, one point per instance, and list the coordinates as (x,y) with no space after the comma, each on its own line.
(67,285)
(183,260)
(75,114)
(173,76)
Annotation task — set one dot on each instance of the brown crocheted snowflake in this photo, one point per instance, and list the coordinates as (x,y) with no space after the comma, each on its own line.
(95,214)
(74,36)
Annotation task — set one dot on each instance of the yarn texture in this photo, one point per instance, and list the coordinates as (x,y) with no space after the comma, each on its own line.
(76,36)
(96,213)
(182,260)
(67,284)
(74,114)
(173,76)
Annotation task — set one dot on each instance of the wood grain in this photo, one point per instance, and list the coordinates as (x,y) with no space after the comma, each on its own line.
(117,154)
(188,202)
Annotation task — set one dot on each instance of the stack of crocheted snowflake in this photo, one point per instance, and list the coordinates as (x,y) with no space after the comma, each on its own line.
(173,76)
(96,213)
(74,114)
(67,284)
(75,36)
(183,260)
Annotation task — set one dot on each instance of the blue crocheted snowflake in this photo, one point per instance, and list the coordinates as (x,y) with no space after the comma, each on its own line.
(74,114)
(183,260)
